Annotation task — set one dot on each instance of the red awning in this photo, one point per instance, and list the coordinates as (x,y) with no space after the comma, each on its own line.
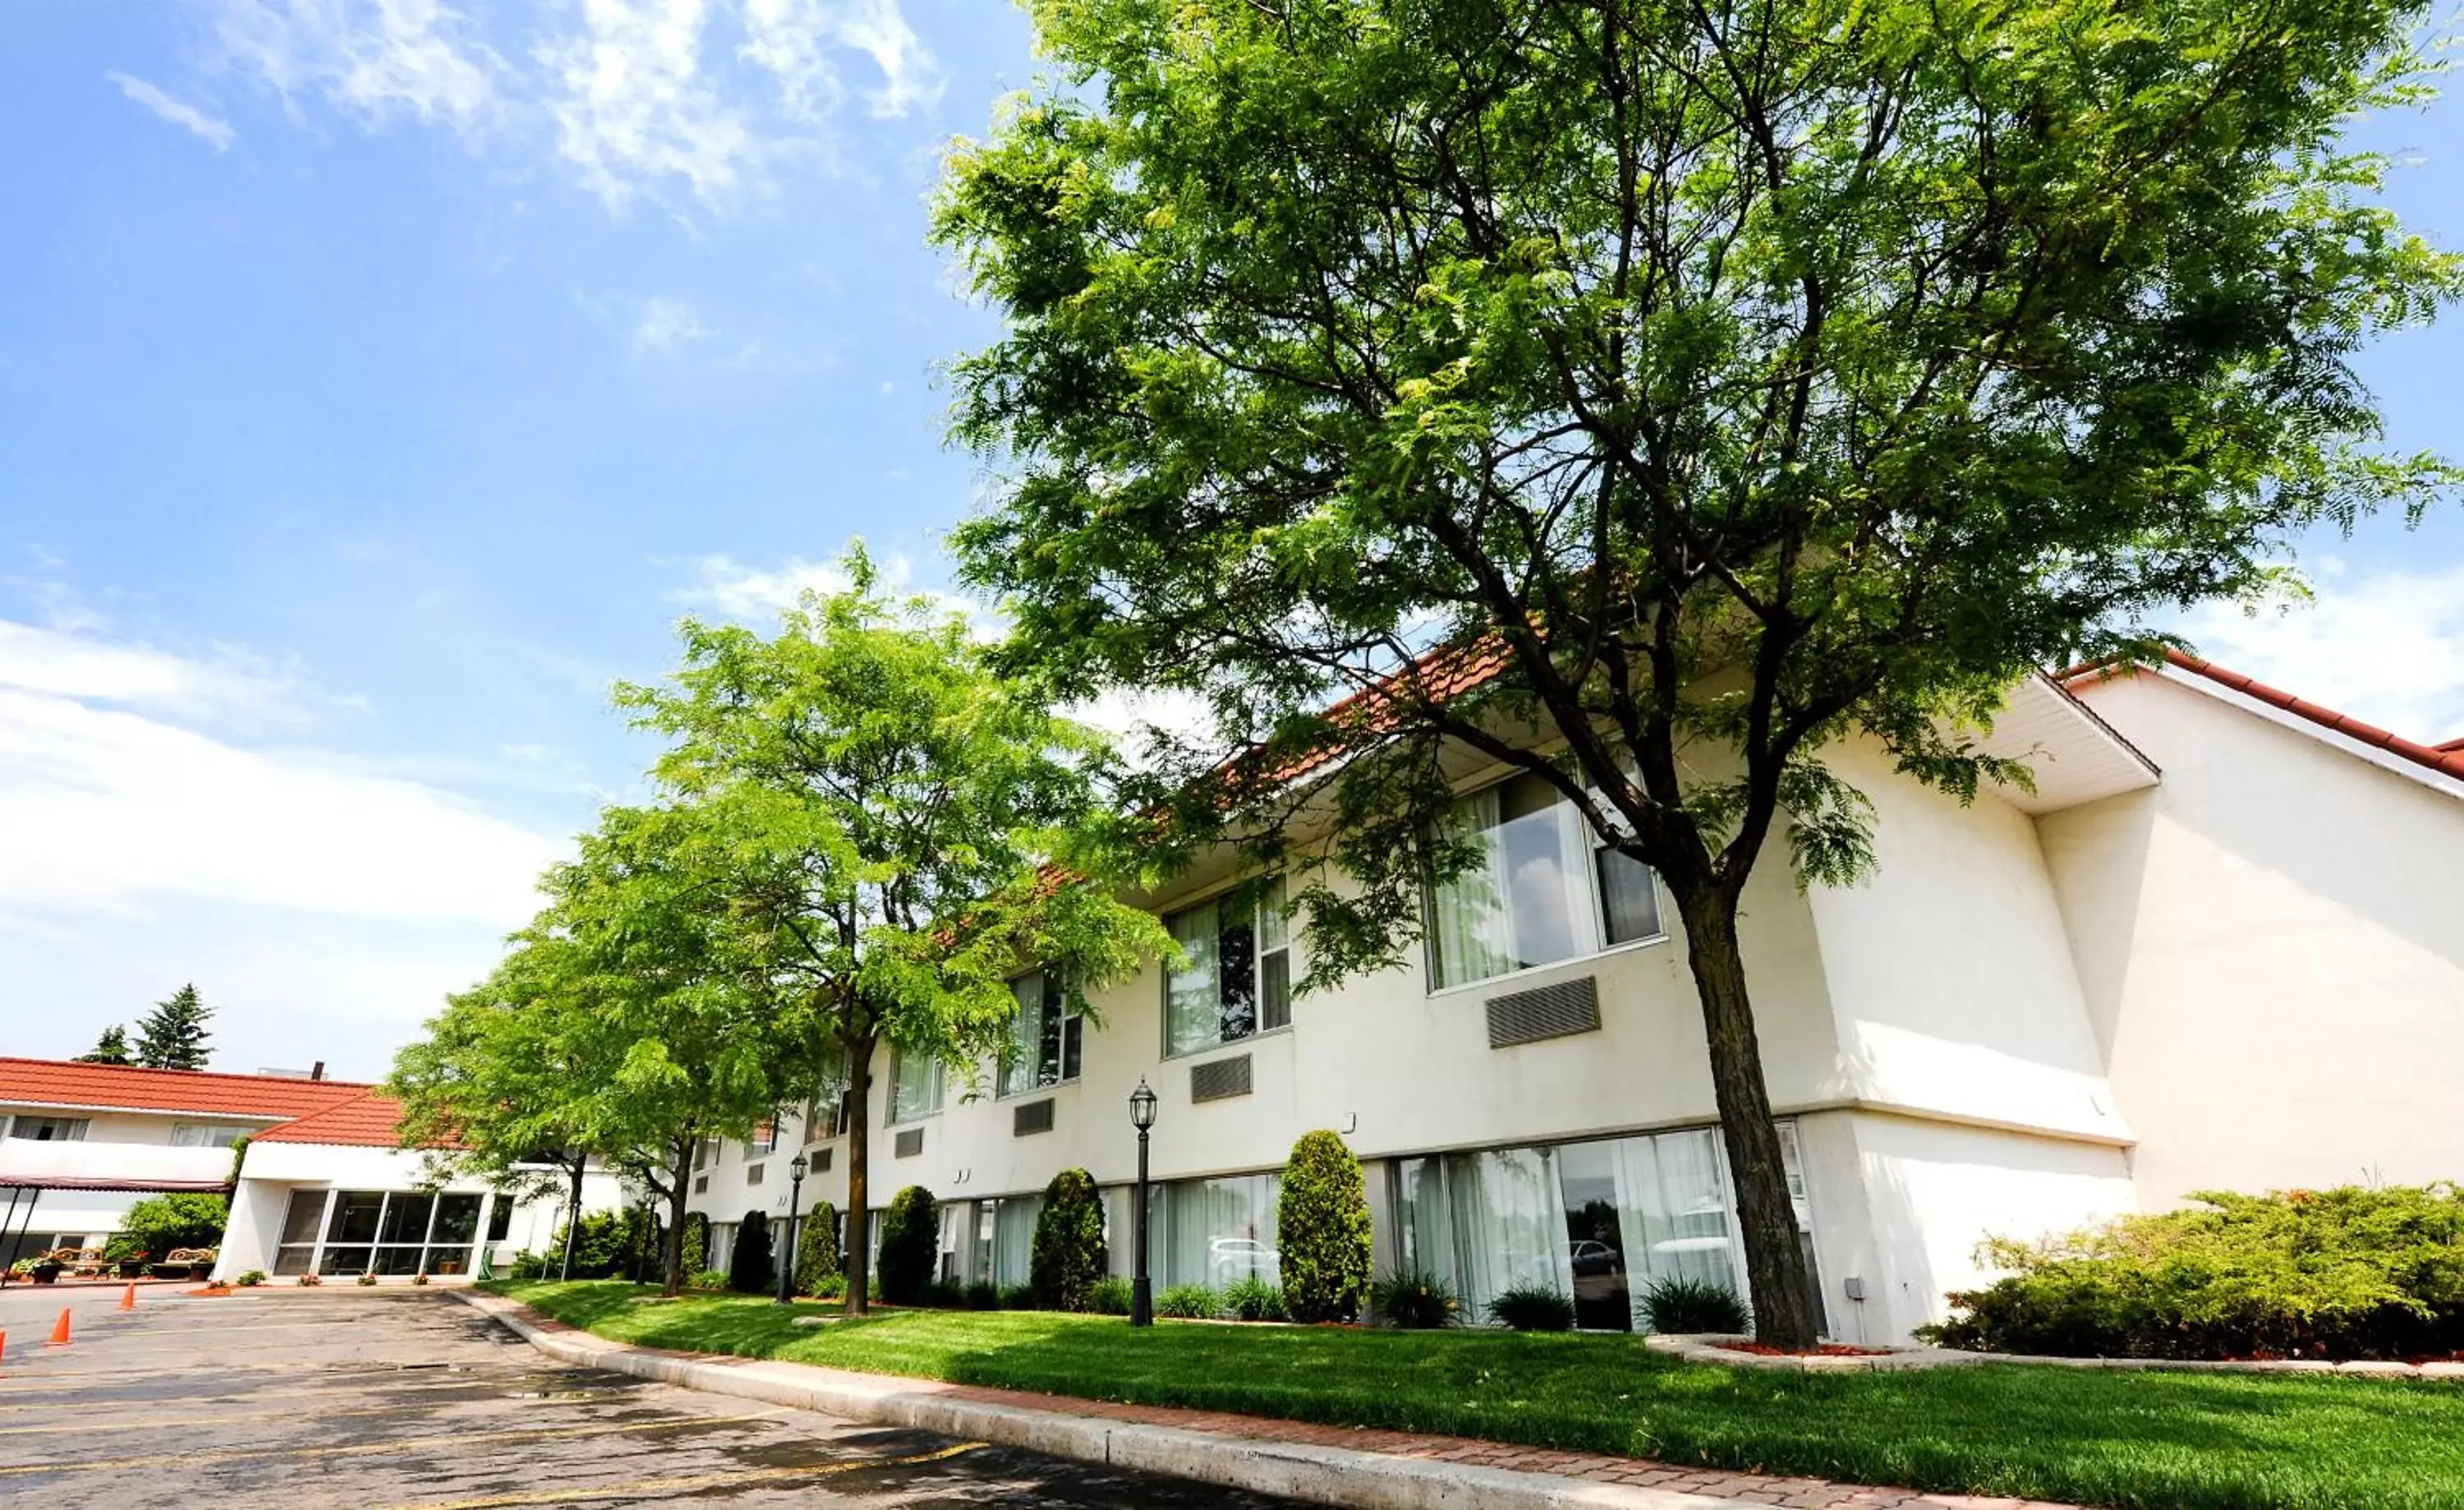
(96,1182)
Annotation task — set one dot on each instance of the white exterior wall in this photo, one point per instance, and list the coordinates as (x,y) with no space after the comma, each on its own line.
(2272,947)
(274,1170)
(118,1145)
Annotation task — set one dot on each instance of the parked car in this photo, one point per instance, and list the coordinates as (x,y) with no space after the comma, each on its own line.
(1230,1259)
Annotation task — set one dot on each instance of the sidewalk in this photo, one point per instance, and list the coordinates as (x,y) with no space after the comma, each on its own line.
(1323,1464)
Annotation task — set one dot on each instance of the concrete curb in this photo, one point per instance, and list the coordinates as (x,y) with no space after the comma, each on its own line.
(1327,1476)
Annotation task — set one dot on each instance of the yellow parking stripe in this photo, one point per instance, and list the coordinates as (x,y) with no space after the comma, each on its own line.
(377,1449)
(504,1390)
(694,1485)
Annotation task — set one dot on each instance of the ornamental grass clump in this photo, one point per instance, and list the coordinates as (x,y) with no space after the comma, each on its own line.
(1322,1227)
(2349,1273)
(1414,1300)
(1694,1306)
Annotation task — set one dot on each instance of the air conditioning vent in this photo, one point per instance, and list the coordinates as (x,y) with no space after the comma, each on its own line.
(1218,1078)
(909,1144)
(1544,1012)
(820,1160)
(1034,1116)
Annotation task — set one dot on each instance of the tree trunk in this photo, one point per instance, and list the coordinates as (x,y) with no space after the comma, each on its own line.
(573,1216)
(672,1244)
(1775,1274)
(859,1217)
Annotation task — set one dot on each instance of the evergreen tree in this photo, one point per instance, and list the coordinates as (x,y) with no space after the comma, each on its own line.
(818,1264)
(749,1268)
(112,1048)
(1068,1260)
(172,1037)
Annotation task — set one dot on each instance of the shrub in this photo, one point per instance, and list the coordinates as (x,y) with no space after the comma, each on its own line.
(1069,1254)
(1533,1308)
(421,1278)
(1322,1226)
(1110,1296)
(830,1286)
(1254,1300)
(1019,1298)
(161,1223)
(983,1296)
(817,1250)
(2348,1272)
(749,1269)
(696,1254)
(369,1276)
(1694,1306)
(601,1249)
(708,1279)
(1416,1299)
(910,1245)
(1190,1302)
(946,1294)
(253,1278)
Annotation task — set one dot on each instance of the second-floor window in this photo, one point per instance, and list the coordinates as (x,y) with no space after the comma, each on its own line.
(204,1135)
(1239,979)
(1542,890)
(765,1139)
(914,1087)
(1045,1038)
(826,1115)
(49,1129)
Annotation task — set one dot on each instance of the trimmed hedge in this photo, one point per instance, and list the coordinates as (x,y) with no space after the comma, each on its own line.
(2342,1274)
(911,1246)
(1322,1228)
(750,1270)
(817,1250)
(1069,1256)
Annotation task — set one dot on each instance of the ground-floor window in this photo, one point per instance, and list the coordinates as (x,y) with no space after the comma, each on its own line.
(1215,1232)
(995,1240)
(378,1232)
(1599,1221)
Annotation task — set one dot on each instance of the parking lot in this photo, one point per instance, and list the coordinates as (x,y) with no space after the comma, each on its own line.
(348,1398)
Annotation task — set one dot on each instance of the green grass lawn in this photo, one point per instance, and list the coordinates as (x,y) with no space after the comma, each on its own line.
(2136,1439)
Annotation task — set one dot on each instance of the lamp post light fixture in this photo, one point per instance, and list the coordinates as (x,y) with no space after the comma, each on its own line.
(1142,1115)
(796,1167)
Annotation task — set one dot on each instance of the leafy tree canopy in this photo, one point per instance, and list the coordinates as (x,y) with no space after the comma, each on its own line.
(1717,382)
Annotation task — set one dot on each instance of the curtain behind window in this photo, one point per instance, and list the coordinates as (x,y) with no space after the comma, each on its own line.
(1509,1225)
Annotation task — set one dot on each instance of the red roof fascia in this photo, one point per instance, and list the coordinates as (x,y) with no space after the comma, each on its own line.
(58,1082)
(2446,759)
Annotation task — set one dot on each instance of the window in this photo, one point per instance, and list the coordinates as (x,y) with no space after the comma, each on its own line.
(1045,1037)
(704,1149)
(500,1217)
(1542,891)
(701,1185)
(914,1087)
(1239,980)
(381,1232)
(49,1129)
(753,1174)
(826,1115)
(204,1135)
(765,1139)
(1214,1231)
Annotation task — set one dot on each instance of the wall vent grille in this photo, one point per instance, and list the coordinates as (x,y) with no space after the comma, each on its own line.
(1032,1116)
(1219,1078)
(1544,1011)
(820,1160)
(910,1144)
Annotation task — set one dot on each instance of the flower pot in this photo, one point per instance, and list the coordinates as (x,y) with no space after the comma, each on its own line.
(45,1274)
(132,1268)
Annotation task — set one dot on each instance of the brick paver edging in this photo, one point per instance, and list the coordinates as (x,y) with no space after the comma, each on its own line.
(1711,1348)
(1374,1470)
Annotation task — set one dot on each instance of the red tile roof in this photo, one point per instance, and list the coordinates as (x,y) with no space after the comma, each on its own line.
(367,1121)
(55,1082)
(2447,758)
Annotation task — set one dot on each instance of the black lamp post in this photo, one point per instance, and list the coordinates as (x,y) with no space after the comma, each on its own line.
(795,1226)
(1142,1113)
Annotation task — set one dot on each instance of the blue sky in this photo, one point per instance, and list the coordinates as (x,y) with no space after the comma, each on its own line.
(378,381)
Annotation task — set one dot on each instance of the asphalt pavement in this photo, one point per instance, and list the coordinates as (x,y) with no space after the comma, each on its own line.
(404,1399)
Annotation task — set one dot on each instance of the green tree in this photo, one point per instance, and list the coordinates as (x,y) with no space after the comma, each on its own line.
(1068,1258)
(1646,397)
(750,1270)
(172,1037)
(817,1250)
(112,1048)
(1322,1231)
(883,816)
(910,1245)
(160,1224)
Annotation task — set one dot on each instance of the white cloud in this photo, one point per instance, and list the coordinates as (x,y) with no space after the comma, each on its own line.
(633,108)
(667,323)
(179,112)
(109,807)
(795,40)
(758,596)
(2385,647)
(372,58)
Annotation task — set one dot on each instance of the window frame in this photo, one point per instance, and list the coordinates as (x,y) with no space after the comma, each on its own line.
(940,1093)
(1268,890)
(1071,1018)
(1595,911)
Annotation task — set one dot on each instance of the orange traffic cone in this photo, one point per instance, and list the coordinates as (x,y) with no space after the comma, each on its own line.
(61,1330)
(128,1298)
(4,1346)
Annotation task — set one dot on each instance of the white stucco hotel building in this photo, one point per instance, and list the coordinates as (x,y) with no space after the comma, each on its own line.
(2219,946)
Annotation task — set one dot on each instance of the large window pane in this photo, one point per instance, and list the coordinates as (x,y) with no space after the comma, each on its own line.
(1595,1239)
(915,1090)
(302,1217)
(1191,1001)
(1043,1048)
(355,1216)
(1238,975)
(1523,904)
(344,1260)
(1509,1225)
(1214,1231)
(457,1220)
(405,1217)
(1014,1237)
(1629,900)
